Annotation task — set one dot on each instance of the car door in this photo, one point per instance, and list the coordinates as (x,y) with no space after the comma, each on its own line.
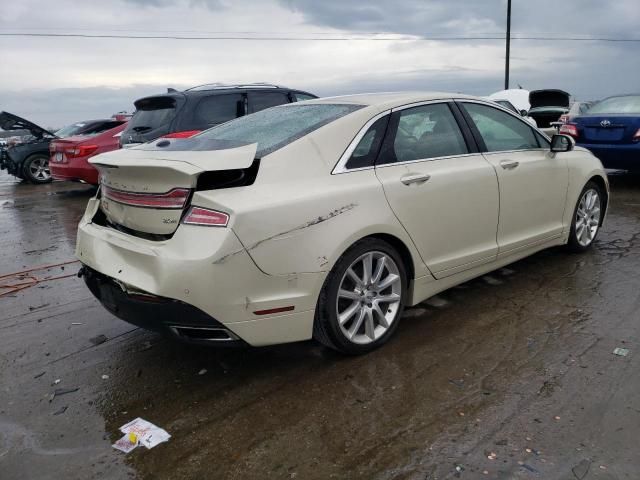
(442,190)
(533,180)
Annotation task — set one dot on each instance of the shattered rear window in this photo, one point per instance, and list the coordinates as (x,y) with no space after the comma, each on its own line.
(276,127)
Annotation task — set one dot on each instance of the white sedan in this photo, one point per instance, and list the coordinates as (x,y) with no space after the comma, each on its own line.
(324,219)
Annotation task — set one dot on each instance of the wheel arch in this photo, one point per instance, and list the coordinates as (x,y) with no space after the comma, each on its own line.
(603,184)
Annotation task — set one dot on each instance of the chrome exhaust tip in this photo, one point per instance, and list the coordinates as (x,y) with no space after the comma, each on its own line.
(204,334)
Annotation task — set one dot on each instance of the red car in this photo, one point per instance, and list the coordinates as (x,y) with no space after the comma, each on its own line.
(69,156)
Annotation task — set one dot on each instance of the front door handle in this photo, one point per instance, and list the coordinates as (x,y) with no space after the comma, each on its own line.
(509,164)
(415,178)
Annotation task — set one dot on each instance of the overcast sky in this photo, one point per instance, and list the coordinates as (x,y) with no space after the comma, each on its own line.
(54,81)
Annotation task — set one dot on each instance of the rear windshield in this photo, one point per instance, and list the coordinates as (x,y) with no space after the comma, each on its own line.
(70,130)
(276,127)
(152,113)
(626,104)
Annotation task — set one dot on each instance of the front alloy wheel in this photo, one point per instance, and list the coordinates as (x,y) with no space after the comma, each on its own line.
(36,169)
(362,299)
(587,217)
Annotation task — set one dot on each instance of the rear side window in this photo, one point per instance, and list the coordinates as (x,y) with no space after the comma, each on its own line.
(301,97)
(499,130)
(368,147)
(276,127)
(218,109)
(424,132)
(152,113)
(263,100)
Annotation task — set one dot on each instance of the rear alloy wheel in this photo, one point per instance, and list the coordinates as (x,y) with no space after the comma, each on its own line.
(586,218)
(36,169)
(363,298)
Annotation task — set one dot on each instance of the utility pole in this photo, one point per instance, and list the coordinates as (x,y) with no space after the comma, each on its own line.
(506,63)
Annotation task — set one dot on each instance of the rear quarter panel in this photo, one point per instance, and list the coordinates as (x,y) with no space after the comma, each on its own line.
(298,218)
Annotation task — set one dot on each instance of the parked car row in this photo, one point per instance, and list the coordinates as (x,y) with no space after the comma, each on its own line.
(64,154)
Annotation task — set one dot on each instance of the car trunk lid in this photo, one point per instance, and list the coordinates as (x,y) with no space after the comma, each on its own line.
(148,188)
(549,98)
(611,129)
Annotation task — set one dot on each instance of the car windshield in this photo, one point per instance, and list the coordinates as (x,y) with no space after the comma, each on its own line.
(276,127)
(626,104)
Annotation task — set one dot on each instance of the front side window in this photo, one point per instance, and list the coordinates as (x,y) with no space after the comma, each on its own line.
(276,127)
(424,132)
(499,130)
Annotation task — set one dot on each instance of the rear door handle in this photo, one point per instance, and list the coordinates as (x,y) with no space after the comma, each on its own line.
(415,178)
(509,164)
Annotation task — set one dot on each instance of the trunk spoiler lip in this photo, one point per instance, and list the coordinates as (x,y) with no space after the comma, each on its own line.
(202,160)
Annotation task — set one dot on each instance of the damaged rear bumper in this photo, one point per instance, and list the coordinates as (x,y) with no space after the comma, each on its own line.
(203,277)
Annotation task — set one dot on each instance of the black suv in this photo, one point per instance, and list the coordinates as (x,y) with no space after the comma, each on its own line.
(181,114)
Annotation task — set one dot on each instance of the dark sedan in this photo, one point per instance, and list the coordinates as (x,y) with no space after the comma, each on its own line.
(611,130)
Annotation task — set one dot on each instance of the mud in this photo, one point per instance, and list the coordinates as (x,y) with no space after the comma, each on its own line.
(511,374)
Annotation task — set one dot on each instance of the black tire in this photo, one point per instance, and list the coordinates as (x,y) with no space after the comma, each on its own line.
(326,328)
(28,168)
(574,244)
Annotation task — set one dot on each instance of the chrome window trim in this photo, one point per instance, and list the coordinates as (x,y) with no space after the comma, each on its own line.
(420,104)
(340,167)
(432,159)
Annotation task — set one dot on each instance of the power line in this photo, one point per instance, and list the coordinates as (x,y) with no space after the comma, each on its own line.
(323,39)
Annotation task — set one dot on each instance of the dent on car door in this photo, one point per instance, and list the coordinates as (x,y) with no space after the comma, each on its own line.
(533,180)
(445,196)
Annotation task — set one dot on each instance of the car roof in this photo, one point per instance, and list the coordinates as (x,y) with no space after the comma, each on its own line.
(385,100)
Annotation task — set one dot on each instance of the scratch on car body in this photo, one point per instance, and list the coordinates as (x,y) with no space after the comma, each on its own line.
(310,223)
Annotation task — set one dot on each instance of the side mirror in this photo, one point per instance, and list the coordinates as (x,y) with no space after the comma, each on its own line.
(562,143)
(523,113)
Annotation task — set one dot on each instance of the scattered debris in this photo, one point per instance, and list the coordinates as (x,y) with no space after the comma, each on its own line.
(105,377)
(528,467)
(457,383)
(492,456)
(56,381)
(39,375)
(62,391)
(557,417)
(622,352)
(581,470)
(99,339)
(140,432)
(77,323)
(61,410)
(202,372)
(459,470)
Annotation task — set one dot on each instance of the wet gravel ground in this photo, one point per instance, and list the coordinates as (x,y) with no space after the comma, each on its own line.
(510,376)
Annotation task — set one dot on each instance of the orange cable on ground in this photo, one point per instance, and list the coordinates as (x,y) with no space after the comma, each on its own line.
(20,277)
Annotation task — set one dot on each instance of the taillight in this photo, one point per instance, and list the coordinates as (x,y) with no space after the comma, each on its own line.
(636,137)
(185,134)
(206,217)
(569,129)
(80,150)
(176,198)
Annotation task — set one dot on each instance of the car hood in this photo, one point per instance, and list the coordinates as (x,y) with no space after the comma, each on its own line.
(549,98)
(9,121)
